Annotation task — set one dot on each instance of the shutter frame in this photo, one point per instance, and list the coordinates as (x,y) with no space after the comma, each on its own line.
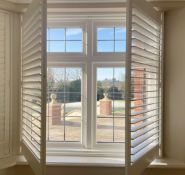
(34,66)
(143,49)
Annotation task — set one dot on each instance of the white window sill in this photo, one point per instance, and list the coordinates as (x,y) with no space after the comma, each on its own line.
(100,162)
(78,161)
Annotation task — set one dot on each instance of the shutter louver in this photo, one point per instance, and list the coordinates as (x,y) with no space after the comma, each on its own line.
(144,98)
(34,85)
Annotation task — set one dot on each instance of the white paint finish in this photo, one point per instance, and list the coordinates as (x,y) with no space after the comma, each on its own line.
(174,76)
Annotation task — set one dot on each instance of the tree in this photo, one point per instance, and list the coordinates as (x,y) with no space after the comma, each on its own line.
(114,93)
(50,80)
(75,91)
(100,91)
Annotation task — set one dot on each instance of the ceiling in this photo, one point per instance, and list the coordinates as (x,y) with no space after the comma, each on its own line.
(162,4)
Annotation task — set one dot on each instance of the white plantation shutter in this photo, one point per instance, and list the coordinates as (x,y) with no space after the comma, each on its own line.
(5,105)
(143,98)
(34,85)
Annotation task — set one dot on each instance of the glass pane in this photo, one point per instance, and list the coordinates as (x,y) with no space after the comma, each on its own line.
(105,33)
(64,107)
(48,38)
(120,46)
(118,104)
(74,107)
(110,102)
(56,46)
(56,34)
(73,77)
(55,121)
(118,92)
(104,130)
(74,46)
(105,46)
(55,80)
(120,34)
(73,129)
(48,43)
(119,130)
(74,34)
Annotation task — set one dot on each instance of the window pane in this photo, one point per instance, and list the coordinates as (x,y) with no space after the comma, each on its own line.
(74,46)
(56,46)
(56,34)
(105,46)
(104,130)
(119,130)
(120,46)
(111,39)
(120,34)
(110,103)
(74,34)
(55,122)
(73,129)
(64,108)
(105,33)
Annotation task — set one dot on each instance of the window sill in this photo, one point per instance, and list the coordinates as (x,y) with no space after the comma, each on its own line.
(100,162)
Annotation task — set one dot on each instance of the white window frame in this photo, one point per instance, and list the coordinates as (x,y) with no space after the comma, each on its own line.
(114,147)
(52,145)
(69,24)
(87,61)
(104,24)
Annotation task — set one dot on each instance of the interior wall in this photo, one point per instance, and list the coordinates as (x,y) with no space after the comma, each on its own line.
(174,85)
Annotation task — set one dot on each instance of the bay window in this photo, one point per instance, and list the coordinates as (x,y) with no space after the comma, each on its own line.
(90,84)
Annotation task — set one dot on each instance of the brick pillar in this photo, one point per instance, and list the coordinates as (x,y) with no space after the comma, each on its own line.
(138,88)
(54,110)
(105,105)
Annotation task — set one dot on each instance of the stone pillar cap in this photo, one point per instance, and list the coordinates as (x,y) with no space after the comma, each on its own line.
(106,98)
(53,98)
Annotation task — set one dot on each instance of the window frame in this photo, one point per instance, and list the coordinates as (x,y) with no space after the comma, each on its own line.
(70,24)
(104,24)
(96,145)
(76,145)
(87,148)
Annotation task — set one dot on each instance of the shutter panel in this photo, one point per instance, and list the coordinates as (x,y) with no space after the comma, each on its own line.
(143,98)
(6,158)
(34,85)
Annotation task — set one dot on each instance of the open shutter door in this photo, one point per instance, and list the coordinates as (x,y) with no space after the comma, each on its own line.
(143,62)
(34,85)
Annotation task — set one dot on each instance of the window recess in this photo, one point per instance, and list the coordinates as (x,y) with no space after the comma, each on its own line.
(133,115)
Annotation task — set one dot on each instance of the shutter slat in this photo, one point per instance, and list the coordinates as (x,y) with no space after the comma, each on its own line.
(140,133)
(144,125)
(143,118)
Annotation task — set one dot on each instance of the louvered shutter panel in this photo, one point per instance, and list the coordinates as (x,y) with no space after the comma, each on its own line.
(143,98)
(6,158)
(34,85)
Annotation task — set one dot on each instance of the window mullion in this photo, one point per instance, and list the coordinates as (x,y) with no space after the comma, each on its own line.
(89,127)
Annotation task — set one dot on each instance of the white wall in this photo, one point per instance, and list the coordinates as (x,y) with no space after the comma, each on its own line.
(174,91)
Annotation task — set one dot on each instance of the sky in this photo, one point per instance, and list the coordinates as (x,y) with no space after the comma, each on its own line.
(71,39)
